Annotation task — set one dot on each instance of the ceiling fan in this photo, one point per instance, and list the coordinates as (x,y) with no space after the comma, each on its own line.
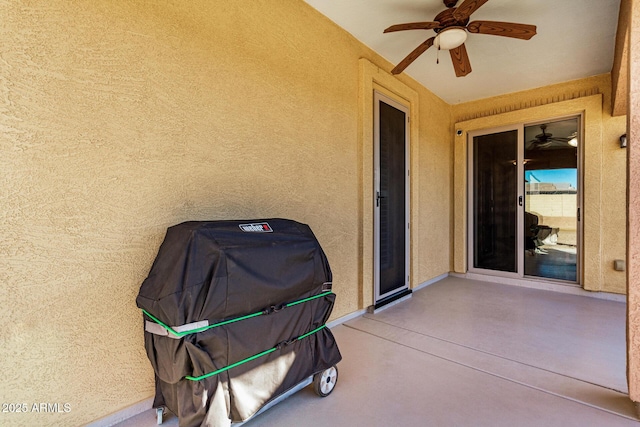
(451,26)
(544,139)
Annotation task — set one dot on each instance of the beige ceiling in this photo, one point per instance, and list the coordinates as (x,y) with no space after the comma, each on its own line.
(575,39)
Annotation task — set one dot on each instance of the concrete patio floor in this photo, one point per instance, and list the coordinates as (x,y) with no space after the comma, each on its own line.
(469,353)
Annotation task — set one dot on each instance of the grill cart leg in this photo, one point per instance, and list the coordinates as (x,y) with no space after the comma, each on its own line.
(160,414)
(325,381)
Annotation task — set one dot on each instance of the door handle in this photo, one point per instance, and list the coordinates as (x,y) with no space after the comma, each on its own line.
(520,200)
(378,197)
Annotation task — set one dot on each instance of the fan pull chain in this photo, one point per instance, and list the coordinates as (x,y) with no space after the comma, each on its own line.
(438,55)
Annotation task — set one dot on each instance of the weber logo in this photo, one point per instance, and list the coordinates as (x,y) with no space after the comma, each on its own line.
(261,227)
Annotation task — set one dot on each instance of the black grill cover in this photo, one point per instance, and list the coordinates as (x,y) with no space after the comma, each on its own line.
(219,270)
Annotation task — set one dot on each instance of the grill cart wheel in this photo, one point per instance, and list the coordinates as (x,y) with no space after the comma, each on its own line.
(325,381)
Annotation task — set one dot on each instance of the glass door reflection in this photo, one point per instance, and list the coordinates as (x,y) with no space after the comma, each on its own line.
(551,224)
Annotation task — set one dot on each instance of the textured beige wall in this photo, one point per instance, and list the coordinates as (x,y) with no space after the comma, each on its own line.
(633,128)
(118,119)
(604,166)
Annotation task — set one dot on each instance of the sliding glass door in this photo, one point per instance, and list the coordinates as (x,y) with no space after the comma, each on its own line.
(552,200)
(524,199)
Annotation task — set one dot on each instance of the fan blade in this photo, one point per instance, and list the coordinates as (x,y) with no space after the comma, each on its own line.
(505,29)
(413,26)
(413,56)
(539,146)
(467,8)
(460,60)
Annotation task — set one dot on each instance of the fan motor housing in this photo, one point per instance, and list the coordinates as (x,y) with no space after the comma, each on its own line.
(446,19)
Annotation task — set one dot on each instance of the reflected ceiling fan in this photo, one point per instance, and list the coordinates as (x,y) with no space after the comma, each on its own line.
(451,26)
(545,139)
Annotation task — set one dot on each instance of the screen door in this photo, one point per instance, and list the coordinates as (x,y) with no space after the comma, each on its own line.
(391,200)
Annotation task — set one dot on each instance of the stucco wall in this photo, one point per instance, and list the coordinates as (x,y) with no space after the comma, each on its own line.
(633,129)
(118,119)
(604,166)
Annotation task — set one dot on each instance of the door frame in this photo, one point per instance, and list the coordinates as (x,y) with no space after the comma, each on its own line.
(519,274)
(396,103)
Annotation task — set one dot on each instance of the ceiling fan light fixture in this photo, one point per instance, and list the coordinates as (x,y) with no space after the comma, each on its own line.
(451,27)
(573,141)
(450,38)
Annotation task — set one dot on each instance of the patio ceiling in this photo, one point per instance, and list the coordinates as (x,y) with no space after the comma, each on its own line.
(575,39)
